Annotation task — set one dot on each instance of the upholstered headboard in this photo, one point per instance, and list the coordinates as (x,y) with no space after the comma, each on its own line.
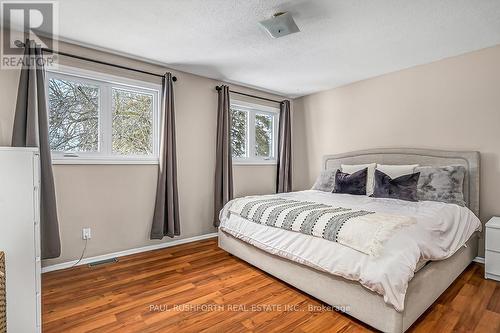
(424,157)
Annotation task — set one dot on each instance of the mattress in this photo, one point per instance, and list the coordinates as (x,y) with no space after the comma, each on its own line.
(441,230)
(420,264)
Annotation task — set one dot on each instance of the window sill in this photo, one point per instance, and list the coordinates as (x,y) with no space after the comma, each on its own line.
(256,163)
(90,161)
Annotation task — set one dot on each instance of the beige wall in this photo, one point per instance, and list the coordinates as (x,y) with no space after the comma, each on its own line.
(450,104)
(117,201)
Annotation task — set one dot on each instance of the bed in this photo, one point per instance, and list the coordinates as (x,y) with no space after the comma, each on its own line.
(428,282)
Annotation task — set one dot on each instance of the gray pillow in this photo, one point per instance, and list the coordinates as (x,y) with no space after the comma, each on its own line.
(403,187)
(325,181)
(354,183)
(444,184)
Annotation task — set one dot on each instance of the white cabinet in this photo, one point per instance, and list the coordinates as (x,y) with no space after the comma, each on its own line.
(492,253)
(20,237)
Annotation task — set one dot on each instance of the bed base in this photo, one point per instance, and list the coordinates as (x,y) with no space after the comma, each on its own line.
(425,287)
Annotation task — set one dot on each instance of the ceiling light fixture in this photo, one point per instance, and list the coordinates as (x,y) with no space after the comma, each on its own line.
(281,24)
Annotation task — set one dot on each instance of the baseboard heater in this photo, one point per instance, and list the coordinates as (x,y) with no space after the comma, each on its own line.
(103,262)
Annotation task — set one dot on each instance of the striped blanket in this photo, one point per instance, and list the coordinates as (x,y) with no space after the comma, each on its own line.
(361,230)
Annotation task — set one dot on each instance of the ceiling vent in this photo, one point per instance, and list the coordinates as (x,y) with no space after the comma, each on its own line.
(281,24)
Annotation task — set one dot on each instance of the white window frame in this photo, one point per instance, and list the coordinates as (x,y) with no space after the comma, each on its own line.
(106,82)
(252,109)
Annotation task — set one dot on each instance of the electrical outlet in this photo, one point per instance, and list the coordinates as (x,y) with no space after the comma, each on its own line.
(86,233)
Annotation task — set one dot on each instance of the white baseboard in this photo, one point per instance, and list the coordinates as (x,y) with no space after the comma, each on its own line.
(89,260)
(479,260)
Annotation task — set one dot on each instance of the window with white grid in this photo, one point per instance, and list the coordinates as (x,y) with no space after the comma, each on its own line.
(96,118)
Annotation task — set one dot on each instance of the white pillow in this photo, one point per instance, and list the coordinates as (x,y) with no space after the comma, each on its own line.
(370,178)
(394,171)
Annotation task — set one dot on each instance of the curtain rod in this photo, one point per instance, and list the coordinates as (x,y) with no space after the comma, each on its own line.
(103,63)
(249,95)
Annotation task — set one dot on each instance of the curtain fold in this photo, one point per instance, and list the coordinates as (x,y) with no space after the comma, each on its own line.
(31,130)
(284,159)
(223,167)
(166,220)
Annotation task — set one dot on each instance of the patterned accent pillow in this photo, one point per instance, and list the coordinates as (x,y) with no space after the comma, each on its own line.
(325,181)
(444,184)
(402,187)
(354,183)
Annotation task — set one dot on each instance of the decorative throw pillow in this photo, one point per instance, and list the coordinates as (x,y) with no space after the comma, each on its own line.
(347,168)
(354,183)
(402,187)
(325,181)
(443,184)
(396,170)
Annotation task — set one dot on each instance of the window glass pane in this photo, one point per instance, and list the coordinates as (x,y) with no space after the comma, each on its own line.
(239,121)
(73,116)
(263,135)
(132,122)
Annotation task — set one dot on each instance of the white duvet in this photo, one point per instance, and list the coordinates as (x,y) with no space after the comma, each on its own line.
(441,230)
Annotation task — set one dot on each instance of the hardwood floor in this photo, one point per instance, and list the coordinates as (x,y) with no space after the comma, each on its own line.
(198,287)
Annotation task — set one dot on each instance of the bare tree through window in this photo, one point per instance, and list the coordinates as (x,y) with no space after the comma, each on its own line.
(132,123)
(263,135)
(238,133)
(100,118)
(73,116)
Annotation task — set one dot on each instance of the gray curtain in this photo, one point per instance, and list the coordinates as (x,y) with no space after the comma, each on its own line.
(31,130)
(166,214)
(223,167)
(284,160)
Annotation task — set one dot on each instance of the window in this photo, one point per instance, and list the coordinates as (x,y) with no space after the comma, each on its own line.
(95,118)
(253,133)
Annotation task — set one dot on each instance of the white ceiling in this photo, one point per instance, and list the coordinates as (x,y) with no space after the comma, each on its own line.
(341,41)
